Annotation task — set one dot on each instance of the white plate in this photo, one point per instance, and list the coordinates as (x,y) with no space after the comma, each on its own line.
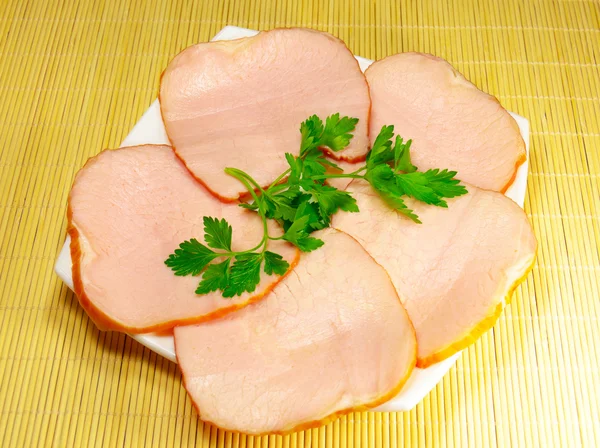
(150,129)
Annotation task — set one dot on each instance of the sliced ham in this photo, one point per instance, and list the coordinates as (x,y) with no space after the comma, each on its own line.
(240,103)
(452,124)
(331,338)
(455,271)
(128,210)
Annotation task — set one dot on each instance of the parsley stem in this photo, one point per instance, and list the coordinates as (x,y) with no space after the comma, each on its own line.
(276,181)
(276,188)
(246,180)
(342,176)
(239,174)
(364,168)
(247,251)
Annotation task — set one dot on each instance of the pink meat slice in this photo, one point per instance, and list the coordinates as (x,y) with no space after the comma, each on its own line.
(452,124)
(240,103)
(331,338)
(455,271)
(128,210)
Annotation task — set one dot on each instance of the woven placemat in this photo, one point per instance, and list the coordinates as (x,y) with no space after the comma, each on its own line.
(76,76)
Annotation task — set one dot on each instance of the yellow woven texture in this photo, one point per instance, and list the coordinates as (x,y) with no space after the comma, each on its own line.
(75,77)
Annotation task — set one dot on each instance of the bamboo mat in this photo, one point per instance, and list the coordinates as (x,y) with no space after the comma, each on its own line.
(75,77)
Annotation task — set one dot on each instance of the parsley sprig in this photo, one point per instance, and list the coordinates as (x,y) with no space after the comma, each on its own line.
(302,202)
(223,269)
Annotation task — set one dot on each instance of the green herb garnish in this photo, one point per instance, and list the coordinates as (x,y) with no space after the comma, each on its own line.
(301,202)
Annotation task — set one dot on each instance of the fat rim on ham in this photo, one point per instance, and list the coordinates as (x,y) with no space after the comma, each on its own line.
(331,338)
(129,209)
(240,103)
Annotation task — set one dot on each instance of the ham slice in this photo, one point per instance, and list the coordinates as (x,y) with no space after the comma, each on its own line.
(128,210)
(452,124)
(331,338)
(455,271)
(240,103)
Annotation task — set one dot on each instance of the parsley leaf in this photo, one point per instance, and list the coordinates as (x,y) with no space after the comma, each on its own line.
(249,206)
(381,152)
(431,186)
(216,276)
(398,204)
(444,183)
(312,211)
(244,275)
(416,185)
(275,264)
(299,237)
(330,200)
(383,179)
(217,234)
(402,156)
(194,258)
(279,207)
(313,166)
(328,163)
(337,133)
(191,258)
(310,131)
(295,164)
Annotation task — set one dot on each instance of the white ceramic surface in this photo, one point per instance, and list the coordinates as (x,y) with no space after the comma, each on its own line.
(150,129)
